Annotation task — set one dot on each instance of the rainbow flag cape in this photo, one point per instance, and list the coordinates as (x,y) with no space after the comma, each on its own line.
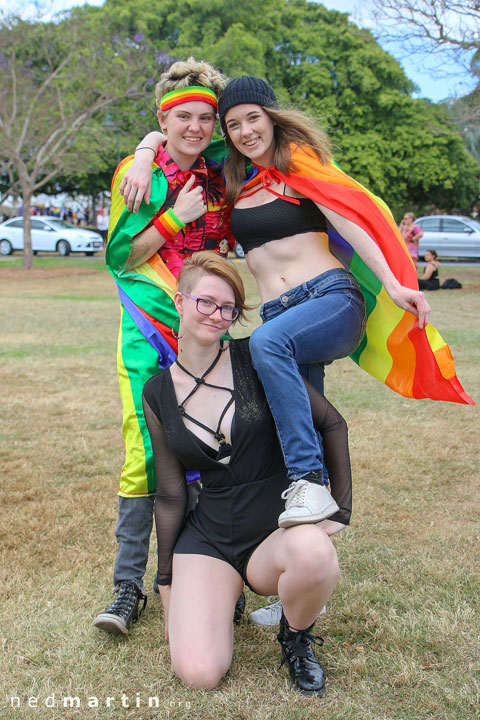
(415,363)
(147,290)
(146,343)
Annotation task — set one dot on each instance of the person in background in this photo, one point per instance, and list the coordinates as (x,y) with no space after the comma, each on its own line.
(103,219)
(411,234)
(429,279)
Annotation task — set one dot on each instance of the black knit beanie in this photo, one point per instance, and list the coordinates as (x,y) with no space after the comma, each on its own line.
(246,89)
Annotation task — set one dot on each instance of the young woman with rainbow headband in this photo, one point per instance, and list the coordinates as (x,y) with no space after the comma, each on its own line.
(145,251)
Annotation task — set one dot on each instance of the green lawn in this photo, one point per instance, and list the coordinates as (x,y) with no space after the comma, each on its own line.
(402,629)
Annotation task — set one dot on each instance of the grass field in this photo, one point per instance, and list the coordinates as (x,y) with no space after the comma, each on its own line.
(402,629)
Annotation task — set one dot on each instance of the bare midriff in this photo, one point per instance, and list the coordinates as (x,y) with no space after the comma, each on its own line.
(280,265)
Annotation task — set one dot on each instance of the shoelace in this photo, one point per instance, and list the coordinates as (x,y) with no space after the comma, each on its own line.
(126,598)
(296,488)
(273,606)
(302,644)
(273,600)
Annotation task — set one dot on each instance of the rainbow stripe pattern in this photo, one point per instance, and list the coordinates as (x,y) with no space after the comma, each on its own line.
(414,363)
(145,342)
(188,94)
(168,224)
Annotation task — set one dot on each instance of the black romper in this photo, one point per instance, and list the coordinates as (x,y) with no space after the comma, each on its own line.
(240,501)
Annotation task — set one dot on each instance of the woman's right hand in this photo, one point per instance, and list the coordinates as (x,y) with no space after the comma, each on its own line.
(164,591)
(190,205)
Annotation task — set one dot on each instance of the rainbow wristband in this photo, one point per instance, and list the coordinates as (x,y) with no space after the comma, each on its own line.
(168,224)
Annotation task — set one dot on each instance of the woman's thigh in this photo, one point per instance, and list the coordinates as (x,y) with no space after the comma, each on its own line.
(319,329)
(200,619)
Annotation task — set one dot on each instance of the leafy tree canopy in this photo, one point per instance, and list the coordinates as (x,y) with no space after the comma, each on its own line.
(406,150)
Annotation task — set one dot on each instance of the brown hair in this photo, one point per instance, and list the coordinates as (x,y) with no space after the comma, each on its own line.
(434,253)
(208,262)
(185,73)
(290,126)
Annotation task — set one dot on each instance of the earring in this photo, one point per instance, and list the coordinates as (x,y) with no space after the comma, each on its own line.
(174,332)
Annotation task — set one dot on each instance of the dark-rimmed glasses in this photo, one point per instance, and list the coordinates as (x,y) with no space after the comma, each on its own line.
(208,307)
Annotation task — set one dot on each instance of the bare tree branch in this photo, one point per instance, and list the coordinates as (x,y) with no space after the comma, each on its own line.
(443,23)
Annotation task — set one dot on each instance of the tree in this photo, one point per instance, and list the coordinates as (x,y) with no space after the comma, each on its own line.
(405,150)
(445,28)
(58,80)
(432,26)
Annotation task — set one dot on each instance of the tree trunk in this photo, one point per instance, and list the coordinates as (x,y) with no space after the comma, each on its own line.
(27,262)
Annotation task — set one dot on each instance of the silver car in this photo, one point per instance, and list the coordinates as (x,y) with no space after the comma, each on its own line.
(49,234)
(450,235)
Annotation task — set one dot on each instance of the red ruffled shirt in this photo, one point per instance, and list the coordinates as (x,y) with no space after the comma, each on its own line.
(210,231)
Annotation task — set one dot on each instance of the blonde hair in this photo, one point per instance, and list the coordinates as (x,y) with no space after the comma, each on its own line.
(187,73)
(208,262)
(290,126)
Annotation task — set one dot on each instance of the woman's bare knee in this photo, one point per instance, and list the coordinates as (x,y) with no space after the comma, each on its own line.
(202,675)
(309,549)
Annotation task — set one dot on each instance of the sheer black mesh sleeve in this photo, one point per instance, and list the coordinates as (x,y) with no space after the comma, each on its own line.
(171,496)
(334,432)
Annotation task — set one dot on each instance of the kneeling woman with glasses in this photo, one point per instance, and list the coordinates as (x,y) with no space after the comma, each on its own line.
(209,411)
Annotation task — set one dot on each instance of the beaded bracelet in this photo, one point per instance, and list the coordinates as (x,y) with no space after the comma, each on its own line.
(168,224)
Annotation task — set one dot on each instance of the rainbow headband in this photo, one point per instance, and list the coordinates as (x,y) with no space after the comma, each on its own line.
(188,94)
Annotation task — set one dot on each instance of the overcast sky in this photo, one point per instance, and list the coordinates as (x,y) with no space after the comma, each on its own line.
(423,74)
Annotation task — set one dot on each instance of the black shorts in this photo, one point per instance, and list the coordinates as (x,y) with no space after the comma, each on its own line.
(229,523)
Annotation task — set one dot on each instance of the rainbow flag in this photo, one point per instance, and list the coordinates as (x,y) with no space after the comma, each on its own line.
(146,343)
(148,288)
(415,363)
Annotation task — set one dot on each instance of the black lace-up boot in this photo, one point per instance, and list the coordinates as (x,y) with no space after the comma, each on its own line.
(239,609)
(117,617)
(306,673)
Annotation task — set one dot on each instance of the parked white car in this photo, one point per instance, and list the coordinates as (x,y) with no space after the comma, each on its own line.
(450,235)
(49,234)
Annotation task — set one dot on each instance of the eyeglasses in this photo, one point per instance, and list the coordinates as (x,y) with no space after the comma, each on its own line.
(208,307)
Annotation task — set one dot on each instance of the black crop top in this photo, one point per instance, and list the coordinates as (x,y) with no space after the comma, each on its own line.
(255,226)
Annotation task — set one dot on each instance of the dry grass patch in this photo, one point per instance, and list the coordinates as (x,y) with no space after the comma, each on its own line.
(401,631)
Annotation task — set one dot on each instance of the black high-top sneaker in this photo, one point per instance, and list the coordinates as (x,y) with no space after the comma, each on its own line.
(239,609)
(306,673)
(117,617)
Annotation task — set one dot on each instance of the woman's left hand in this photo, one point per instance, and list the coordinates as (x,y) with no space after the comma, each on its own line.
(414,301)
(331,527)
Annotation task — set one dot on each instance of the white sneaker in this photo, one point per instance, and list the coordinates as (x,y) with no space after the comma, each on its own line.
(268,615)
(306,502)
(271,614)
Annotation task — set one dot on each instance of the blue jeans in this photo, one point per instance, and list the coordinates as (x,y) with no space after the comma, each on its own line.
(312,324)
(135,520)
